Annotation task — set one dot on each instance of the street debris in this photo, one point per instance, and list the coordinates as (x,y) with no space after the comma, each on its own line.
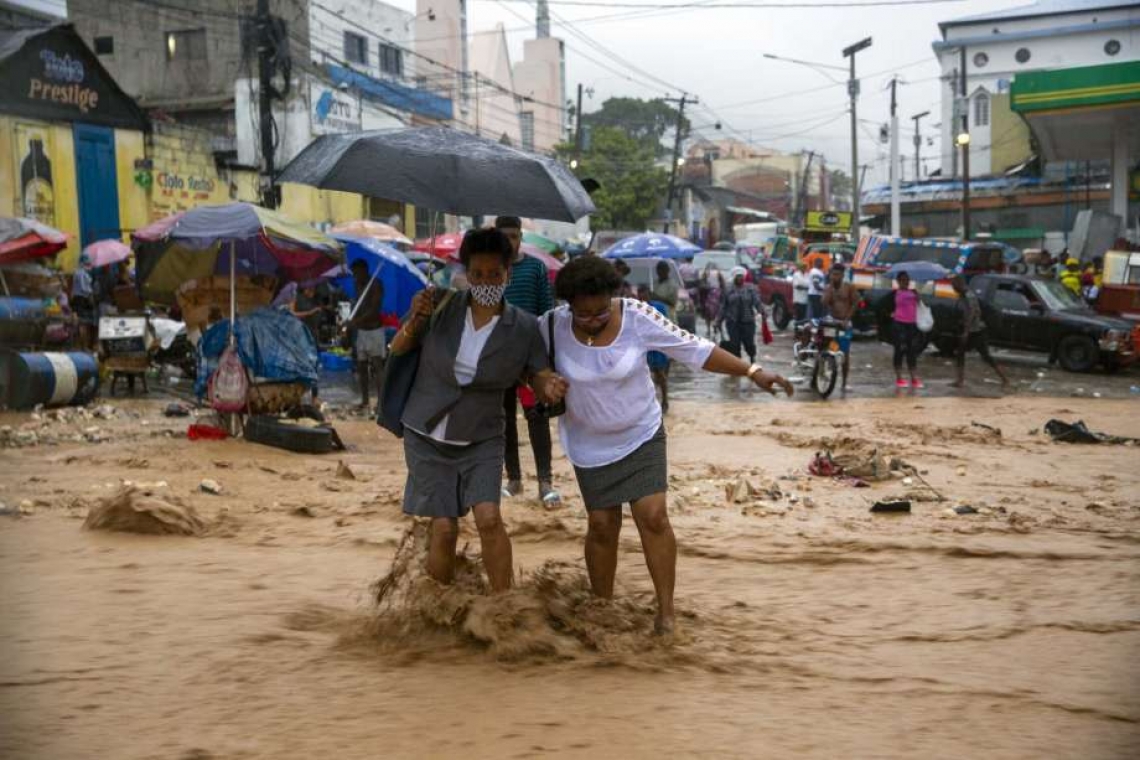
(1078,432)
(132,510)
(896,506)
(210,486)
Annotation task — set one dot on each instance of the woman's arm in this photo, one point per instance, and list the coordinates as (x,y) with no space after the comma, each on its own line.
(409,335)
(724,363)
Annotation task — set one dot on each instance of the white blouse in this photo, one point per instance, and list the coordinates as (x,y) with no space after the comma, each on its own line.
(611,404)
(471,347)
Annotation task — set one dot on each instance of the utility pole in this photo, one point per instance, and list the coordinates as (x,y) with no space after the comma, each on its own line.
(896,212)
(265,50)
(918,144)
(964,142)
(478,127)
(676,154)
(578,125)
(801,195)
(853,93)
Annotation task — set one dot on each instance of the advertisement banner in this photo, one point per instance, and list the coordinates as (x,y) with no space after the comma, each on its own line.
(331,110)
(828,221)
(34,182)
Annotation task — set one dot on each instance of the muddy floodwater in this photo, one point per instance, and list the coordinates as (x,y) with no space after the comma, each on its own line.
(808,626)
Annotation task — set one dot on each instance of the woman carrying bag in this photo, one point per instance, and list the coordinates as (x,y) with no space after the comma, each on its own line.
(471,347)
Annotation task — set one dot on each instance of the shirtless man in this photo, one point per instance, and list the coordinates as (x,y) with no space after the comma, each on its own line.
(371,340)
(840,299)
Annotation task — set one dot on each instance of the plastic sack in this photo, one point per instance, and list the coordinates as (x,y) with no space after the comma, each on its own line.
(229,384)
(924,318)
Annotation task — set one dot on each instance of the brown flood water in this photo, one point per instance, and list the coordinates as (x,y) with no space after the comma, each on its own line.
(809,627)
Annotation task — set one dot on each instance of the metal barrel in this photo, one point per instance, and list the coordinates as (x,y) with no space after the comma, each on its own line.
(50,378)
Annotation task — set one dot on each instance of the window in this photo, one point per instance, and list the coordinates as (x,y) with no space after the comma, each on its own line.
(355,48)
(1112,47)
(526,127)
(186,45)
(104,46)
(980,60)
(1022,55)
(982,109)
(391,60)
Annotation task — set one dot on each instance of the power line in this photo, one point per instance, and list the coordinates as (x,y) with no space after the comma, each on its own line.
(741,4)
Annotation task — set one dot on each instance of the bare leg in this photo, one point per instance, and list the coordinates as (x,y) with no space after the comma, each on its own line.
(362,372)
(660,547)
(601,549)
(846,367)
(497,555)
(441,549)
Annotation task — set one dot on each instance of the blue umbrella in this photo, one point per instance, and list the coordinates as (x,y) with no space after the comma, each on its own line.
(400,277)
(920,271)
(652,245)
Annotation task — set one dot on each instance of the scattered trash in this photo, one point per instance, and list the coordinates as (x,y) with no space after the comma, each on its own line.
(965,510)
(908,481)
(176,409)
(133,511)
(343,470)
(990,428)
(201,432)
(961,470)
(210,486)
(302,511)
(900,505)
(1078,432)
(1096,394)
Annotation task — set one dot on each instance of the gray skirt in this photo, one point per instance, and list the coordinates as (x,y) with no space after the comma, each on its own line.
(643,472)
(446,481)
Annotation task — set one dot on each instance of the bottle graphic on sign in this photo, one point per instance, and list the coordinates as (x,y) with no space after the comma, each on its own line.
(35,178)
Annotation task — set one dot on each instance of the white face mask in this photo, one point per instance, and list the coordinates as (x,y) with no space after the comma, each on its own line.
(487,295)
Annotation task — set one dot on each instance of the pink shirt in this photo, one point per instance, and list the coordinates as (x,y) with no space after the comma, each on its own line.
(906,306)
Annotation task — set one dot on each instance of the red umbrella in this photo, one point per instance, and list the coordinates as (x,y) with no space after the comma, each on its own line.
(442,245)
(26,239)
(552,264)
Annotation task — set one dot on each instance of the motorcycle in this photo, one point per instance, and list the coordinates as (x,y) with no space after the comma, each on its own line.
(817,347)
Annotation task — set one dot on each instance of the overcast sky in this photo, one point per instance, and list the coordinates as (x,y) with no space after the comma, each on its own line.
(717,55)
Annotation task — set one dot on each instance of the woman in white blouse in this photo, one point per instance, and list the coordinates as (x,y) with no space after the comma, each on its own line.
(612,431)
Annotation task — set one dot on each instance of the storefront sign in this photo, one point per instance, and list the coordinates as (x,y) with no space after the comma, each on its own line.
(828,221)
(331,110)
(36,185)
(52,75)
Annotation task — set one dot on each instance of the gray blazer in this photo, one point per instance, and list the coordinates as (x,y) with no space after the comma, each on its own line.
(514,349)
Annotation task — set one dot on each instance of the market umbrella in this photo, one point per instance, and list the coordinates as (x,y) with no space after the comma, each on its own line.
(104,253)
(400,277)
(920,271)
(444,170)
(441,245)
(367,228)
(26,239)
(651,245)
(540,241)
(231,239)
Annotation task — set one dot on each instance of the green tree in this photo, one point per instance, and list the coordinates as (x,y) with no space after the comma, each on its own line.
(646,121)
(840,184)
(632,186)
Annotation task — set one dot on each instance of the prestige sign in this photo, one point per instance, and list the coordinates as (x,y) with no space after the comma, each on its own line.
(50,74)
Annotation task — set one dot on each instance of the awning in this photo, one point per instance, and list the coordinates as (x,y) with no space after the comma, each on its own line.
(750,212)
(1077,113)
(396,95)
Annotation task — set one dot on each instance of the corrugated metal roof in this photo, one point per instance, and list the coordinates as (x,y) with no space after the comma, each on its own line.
(1041,8)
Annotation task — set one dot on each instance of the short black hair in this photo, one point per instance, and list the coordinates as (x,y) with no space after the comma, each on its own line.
(586,276)
(486,241)
(508,223)
(839,266)
(359,264)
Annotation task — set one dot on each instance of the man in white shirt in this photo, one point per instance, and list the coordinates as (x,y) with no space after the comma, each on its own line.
(800,287)
(817,282)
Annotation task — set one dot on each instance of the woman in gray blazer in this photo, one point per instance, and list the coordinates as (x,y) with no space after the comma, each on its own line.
(476,347)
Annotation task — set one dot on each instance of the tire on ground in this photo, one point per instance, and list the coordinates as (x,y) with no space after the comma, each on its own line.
(272,431)
(1078,353)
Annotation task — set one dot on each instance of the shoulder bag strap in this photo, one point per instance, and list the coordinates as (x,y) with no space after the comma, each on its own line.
(550,333)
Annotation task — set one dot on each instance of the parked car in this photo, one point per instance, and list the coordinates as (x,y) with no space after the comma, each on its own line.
(1120,285)
(644,272)
(725,261)
(1044,316)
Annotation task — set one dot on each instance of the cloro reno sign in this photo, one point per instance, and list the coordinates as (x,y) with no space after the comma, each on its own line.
(61,82)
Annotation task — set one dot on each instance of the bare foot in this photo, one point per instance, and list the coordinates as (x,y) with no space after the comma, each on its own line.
(665,625)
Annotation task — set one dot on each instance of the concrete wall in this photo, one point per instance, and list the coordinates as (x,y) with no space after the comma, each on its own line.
(541,75)
(383,22)
(1065,45)
(185,174)
(495,113)
(444,41)
(140,62)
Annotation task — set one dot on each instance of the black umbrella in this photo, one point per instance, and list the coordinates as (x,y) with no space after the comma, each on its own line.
(444,170)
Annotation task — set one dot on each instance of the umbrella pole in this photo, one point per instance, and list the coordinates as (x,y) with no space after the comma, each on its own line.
(233,288)
(4,283)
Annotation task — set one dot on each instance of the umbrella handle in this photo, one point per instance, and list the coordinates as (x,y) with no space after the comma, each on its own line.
(364,292)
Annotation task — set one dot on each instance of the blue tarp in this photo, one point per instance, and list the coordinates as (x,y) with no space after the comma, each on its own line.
(398,96)
(272,344)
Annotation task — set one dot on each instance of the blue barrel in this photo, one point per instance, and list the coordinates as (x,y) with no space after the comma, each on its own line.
(51,379)
(22,322)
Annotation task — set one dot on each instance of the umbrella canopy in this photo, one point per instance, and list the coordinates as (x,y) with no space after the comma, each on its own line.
(104,253)
(26,239)
(198,243)
(400,277)
(441,245)
(552,264)
(920,271)
(444,170)
(367,228)
(651,245)
(540,241)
